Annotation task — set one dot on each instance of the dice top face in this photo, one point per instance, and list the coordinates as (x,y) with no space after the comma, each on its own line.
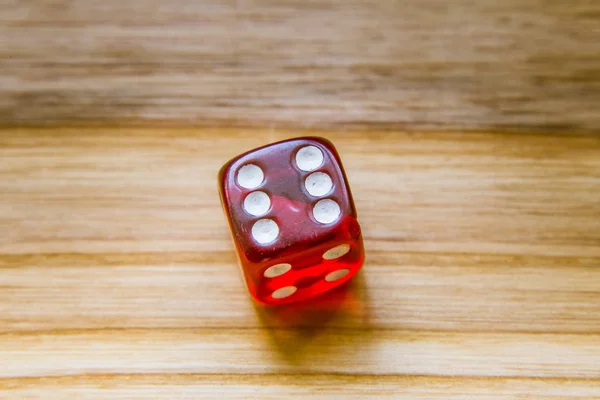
(284,194)
(292,218)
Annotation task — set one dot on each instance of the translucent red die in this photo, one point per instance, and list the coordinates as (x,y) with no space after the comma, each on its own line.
(292,219)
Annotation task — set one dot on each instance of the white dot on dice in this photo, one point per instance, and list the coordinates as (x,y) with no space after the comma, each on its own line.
(326,211)
(309,158)
(257,203)
(337,275)
(277,270)
(283,292)
(250,176)
(318,184)
(336,252)
(265,231)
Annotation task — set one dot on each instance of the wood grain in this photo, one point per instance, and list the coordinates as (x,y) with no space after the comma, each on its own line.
(118,279)
(415,64)
(457,292)
(276,387)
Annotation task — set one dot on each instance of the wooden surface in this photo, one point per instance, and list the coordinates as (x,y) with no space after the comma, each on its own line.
(117,275)
(415,64)
(118,278)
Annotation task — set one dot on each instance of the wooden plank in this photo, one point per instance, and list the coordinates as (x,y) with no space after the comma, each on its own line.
(316,351)
(126,190)
(453,292)
(118,279)
(417,64)
(317,387)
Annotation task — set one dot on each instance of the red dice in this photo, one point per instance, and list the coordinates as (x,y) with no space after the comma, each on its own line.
(292,219)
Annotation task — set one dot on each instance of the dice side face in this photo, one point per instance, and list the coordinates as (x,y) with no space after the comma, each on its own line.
(287,205)
(311,273)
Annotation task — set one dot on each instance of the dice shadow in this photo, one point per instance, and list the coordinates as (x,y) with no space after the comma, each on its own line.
(303,331)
